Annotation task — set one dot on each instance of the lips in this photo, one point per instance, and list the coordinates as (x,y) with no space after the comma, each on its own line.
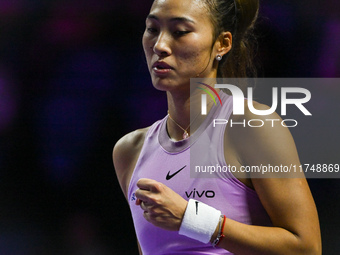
(160,67)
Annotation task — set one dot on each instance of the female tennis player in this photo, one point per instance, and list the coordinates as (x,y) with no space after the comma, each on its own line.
(227,214)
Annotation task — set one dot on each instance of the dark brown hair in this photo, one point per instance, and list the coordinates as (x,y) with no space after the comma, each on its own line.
(240,21)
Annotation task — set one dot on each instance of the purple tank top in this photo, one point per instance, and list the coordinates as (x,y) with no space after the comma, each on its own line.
(168,162)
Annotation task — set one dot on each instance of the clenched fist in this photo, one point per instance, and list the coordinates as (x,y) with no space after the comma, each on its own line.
(162,206)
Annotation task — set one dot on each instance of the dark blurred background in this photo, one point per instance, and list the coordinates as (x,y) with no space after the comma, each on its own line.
(73,80)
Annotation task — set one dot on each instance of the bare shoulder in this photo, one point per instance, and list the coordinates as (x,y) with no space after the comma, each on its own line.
(261,138)
(254,140)
(125,154)
(129,143)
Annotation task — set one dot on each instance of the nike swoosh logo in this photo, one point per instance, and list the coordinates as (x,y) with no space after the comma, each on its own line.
(170,176)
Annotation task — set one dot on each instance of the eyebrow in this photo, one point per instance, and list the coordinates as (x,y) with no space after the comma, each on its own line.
(180,19)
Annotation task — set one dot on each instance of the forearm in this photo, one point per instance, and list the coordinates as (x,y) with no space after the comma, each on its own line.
(247,239)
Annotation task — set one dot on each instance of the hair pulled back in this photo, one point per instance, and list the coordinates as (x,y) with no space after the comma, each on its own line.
(240,21)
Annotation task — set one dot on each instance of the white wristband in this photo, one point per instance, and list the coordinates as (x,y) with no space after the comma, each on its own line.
(199,221)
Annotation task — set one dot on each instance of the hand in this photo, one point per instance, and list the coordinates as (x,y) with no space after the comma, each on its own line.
(162,206)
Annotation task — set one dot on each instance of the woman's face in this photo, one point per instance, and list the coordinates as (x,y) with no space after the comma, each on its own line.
(178,43)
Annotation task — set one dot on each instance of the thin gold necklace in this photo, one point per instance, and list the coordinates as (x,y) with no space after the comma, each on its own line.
(185,134)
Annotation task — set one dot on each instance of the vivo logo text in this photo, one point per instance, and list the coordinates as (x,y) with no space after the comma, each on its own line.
(198,194)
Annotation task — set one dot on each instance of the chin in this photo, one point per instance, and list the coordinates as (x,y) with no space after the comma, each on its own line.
(168,84)
(162,84)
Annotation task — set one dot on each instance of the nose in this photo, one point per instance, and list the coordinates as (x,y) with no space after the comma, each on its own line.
(162,45)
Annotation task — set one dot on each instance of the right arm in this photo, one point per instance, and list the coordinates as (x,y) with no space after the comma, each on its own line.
(125,155)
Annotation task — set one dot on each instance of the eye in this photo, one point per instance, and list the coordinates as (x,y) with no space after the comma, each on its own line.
(181,33)
(151,30)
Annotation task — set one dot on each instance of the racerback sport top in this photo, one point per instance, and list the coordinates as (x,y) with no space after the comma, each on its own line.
(168,162)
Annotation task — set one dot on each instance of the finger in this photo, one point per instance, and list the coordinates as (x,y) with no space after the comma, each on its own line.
(147,184)
(143,195)
(146,215)
(138,201)
(143,206)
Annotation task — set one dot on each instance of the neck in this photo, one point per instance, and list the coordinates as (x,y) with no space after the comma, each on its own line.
(179,110)
(182,116)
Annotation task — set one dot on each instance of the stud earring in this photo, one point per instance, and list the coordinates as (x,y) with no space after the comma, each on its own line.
(218,57)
